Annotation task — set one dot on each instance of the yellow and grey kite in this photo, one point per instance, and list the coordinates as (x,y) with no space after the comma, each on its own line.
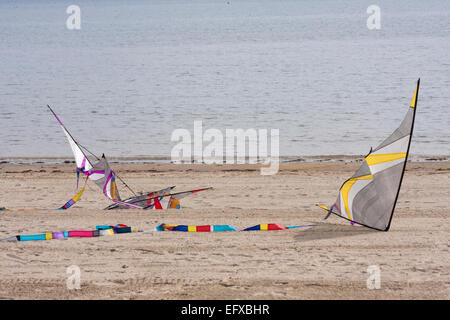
(369,196)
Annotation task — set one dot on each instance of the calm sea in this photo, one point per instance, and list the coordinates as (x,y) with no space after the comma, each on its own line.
(137,70)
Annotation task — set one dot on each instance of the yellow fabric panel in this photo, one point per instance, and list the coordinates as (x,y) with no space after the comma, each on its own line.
(346,189)
(110,232)
(49,236)
(78,196)
(385,157)
(264,226)
(413,102)
(113,187)
(192,228)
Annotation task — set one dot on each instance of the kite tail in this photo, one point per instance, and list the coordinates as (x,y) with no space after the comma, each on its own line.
(216,228)
(78,176)
(77,197)
(314,224)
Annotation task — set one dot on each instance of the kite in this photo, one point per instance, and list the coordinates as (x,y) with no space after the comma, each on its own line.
(104,230)
(98,232)
(157,200)
(106,179)
(369,196)
(145,198)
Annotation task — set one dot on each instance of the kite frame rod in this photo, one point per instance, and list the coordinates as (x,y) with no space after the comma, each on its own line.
(353,221)
(407,152)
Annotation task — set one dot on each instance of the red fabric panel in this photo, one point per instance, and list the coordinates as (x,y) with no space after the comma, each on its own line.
(157,204)
(81,233)
(274,226)
(203,228)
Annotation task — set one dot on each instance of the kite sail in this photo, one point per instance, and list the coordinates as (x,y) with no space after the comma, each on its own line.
(82,161)
(106,178)
(369,196)
(107,182)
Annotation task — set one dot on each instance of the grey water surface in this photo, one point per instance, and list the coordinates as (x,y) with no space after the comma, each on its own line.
(137,70)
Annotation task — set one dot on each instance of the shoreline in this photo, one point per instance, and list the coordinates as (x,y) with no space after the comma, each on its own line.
(166,160)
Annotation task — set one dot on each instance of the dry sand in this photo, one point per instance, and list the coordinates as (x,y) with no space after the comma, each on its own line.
(326,262)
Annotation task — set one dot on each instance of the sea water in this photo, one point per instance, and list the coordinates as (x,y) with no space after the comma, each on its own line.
(138,70)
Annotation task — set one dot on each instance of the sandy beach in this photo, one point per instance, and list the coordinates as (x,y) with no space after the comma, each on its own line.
(329,261)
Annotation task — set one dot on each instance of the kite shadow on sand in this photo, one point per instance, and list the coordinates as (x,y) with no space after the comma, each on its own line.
(331,231)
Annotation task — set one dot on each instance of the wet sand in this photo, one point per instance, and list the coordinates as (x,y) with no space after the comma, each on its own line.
(326,262)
